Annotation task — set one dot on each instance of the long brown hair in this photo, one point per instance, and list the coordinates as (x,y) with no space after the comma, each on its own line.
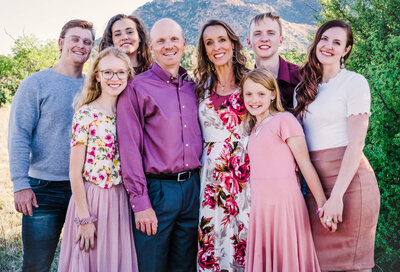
(267,80)
(92,88)
(311,72)
(144,57)
(205,73)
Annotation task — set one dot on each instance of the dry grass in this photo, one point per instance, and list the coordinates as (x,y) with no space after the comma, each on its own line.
(10,220)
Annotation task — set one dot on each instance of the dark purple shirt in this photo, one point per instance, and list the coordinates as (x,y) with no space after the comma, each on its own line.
(158,130)
(288,78)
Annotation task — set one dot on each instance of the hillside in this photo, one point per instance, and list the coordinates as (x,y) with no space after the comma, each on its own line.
(296,16)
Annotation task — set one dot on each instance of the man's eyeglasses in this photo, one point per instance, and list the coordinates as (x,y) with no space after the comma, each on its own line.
(76,39)
(108,74)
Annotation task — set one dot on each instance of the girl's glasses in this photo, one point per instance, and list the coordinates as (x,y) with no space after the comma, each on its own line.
(108,74)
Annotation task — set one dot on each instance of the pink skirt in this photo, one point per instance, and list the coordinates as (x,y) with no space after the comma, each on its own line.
(114,245)
(351,247)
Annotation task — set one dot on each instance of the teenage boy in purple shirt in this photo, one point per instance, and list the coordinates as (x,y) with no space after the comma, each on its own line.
(160,145)
(265,38)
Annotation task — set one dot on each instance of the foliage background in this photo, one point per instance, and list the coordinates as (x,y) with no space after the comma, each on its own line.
(376,55)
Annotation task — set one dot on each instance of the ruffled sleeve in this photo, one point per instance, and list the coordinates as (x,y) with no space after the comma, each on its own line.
(358,96)
(81,127)
(289,126)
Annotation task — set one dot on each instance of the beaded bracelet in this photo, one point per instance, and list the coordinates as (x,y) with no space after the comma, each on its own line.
(318,210)
(86,220)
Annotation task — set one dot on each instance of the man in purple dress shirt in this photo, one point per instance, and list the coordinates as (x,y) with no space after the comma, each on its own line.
(160,146)
(265,38)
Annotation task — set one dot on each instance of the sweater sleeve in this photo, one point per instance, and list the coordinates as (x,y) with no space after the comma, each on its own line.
(24,116)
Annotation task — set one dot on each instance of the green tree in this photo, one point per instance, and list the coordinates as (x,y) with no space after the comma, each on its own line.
(29,55)
(376,55)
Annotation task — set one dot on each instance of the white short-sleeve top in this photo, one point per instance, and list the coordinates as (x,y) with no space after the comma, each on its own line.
(325,122)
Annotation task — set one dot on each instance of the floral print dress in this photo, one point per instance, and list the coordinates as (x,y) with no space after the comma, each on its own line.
(98,132)
(225,190)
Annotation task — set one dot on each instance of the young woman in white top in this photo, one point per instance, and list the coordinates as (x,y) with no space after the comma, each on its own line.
(334,107)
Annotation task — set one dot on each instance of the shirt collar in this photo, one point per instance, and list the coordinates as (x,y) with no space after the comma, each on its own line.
(166,76)
(283,73)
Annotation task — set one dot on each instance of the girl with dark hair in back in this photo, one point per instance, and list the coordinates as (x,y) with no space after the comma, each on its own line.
(128,33)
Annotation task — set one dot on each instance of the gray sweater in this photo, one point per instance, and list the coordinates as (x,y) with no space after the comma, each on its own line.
(40,128)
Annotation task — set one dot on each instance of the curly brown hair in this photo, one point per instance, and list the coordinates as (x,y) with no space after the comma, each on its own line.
(144,57)
(205,72)
(311,72)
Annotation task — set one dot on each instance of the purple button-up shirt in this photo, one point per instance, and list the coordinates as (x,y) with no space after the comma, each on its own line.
(158,130)
(288,78)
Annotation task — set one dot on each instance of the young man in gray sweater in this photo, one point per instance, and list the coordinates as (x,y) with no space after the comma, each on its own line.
(38,145)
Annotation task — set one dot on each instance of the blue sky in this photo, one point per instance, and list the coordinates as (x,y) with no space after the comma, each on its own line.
(45,18)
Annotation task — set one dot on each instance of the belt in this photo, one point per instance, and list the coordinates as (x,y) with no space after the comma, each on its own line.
(182,176)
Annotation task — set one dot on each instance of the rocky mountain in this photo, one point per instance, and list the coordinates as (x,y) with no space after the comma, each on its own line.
(296,15)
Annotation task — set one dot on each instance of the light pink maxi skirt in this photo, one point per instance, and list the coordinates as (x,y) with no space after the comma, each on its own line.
(352,245)
(114,245)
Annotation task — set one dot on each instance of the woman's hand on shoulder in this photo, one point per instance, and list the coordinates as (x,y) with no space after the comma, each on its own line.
(85,236)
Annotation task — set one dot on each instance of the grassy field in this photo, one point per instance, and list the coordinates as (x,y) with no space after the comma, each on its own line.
(10,220)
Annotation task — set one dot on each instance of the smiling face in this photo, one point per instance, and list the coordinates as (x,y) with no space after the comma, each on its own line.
(113,86)
(265,38)
(332,46)
(125,36)
(76,46)
(219,47)
(167,44)
(257,99)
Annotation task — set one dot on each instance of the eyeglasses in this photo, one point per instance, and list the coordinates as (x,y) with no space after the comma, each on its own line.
(76,39)
(108,74)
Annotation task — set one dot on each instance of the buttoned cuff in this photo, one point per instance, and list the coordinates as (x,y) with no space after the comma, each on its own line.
(140,203)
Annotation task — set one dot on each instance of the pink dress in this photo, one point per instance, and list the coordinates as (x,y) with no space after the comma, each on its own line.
(279,236)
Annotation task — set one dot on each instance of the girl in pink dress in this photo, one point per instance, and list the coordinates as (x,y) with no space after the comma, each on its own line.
(279,237)
(98,228)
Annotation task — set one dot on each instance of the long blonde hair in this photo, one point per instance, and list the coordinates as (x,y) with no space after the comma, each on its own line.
(267,80)
(92,88)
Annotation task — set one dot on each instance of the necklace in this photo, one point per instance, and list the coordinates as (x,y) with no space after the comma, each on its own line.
(258,125)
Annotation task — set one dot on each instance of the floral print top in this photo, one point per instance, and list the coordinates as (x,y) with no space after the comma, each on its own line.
(97,131)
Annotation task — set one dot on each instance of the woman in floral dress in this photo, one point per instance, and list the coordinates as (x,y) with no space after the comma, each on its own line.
(225,191)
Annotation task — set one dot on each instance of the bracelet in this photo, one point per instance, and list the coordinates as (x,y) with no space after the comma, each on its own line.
(86,220)
(318,210)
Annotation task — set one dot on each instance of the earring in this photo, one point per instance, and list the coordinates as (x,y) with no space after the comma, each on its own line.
(342,63)
(234,61)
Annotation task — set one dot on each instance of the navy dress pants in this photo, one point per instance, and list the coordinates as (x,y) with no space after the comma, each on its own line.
(41,232)
(174,247)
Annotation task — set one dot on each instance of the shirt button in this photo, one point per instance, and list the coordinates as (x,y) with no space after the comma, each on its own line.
(184,126)
(133,206)
(187,145)
(167,81)
(183,106)
(187,164)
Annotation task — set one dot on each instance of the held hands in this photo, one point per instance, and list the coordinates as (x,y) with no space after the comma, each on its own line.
(146,221)
(331,213)
(85,236)
(23,201)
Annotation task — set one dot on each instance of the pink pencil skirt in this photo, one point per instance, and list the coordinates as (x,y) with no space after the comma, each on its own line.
(352,245)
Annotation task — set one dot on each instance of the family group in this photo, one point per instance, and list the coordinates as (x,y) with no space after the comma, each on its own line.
(148,169)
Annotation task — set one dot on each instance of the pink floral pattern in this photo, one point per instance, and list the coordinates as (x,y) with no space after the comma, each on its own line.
(98,132)
(225,190)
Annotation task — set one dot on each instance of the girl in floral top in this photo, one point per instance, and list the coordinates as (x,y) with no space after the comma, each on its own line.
(98,228)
